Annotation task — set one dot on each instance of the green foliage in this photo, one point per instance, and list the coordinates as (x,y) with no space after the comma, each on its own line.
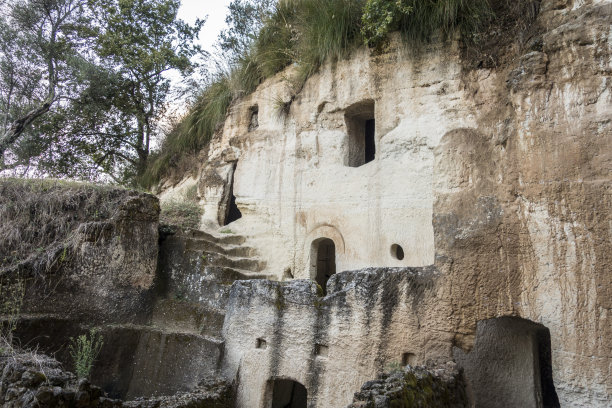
(328,29)
(39,59)
(181,213)
(184,212)
(393,367)
(97,67)
(84,350)
(244,21)
(444,17)
(380,17)
(193,132)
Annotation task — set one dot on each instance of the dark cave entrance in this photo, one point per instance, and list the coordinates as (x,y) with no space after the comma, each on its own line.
(232,212)
(288,394)
(323,260)
(511,362)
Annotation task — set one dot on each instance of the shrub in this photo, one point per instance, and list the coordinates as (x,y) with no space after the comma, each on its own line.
(84,350)
(380,17)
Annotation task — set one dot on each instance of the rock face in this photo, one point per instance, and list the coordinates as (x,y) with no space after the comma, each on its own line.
(435,387)
(499,175)
(370,320)
(32,380)
(104,272)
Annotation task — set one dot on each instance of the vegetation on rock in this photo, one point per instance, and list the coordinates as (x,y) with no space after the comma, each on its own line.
(305,33)
(84,350)
(438,386)
(11,301)
(41,217)
(184,212)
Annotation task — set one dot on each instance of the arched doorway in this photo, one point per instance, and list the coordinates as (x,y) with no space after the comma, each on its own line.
(288,394)
(323,261)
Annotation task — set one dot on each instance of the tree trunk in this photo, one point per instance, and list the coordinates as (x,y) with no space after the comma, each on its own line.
(19,125)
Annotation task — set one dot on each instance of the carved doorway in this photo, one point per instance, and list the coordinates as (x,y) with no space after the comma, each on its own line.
(288,394)
(323,261)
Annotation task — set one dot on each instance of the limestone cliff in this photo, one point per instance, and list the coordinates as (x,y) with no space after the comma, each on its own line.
(494,166)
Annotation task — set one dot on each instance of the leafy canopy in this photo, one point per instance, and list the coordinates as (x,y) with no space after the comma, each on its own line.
(99,89)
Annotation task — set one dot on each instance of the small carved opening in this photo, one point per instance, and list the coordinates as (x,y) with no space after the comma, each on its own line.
(408,359)
(288,394)
(361,130)
(323,261)
(321,350)
(511,361)
(254,118)
(261,344)
(397,252)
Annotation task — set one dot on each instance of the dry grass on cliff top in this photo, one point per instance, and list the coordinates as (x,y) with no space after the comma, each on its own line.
(38,218)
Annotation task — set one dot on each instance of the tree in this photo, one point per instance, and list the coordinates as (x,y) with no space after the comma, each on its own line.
(244,21)
(37,51)
(91,87)
(141,40)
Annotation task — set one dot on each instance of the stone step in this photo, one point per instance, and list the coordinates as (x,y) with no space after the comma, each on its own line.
(217,239)
(184,316)
(227,249)
(166,361)
(247,264)
(227,275)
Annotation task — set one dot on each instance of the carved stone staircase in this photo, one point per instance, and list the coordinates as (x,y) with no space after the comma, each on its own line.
(197,270)
(195,273)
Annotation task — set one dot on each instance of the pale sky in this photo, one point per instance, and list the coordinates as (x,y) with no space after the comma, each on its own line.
(216,10)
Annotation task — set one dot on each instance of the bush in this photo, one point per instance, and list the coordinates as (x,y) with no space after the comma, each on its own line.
(380,17)
(84,350)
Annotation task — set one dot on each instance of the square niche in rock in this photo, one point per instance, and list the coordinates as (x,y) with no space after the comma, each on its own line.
(361,133)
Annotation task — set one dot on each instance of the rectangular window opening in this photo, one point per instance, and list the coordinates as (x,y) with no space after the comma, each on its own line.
(361,133)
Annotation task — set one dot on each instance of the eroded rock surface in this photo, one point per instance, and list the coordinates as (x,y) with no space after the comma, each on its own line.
(436,387)
(30,380)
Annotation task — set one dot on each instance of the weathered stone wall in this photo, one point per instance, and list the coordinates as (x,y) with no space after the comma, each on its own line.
(523,201)
(368,321)
(107,272)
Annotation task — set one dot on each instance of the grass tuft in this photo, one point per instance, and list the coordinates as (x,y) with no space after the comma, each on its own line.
(183,214)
